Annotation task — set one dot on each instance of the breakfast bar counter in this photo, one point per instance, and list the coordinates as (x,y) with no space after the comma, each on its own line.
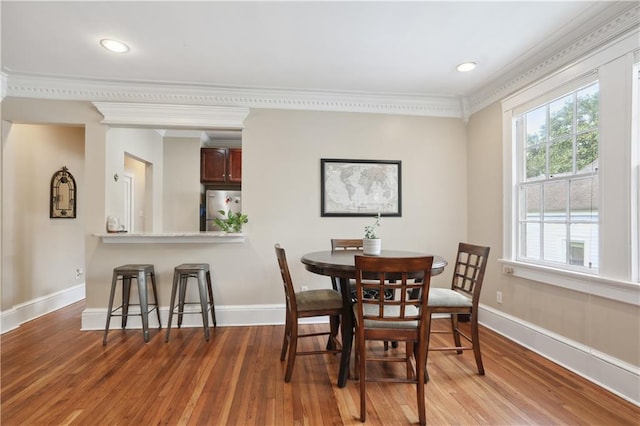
(212,237)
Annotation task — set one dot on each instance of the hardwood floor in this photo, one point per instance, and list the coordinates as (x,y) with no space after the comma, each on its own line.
(52,373)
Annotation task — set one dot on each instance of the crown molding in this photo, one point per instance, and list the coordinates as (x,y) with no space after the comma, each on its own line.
(172,116)
(114,91)
(627,21)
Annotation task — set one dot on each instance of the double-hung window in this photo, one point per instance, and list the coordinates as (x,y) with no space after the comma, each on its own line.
(557,169)
(572,176)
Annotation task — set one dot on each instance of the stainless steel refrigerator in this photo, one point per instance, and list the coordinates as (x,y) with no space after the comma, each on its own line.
(216,200)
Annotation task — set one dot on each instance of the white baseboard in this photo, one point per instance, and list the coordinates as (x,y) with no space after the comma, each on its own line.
(617,376)
(227,316)
(19,314)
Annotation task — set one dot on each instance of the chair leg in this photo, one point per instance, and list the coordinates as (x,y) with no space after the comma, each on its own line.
(181,297)
(421,362)
(126,292)
(293,347)
(204,298)
(334,325)
(362,373)
(174,289)
(475,337)
(144,304)
(456,332)
(155,297)
(111,296)
(213,305)
(286,338)
(426,347)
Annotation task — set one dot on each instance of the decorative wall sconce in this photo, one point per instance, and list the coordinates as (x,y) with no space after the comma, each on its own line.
(63,195)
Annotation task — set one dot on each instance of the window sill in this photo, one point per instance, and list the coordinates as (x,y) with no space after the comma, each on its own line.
(618,290)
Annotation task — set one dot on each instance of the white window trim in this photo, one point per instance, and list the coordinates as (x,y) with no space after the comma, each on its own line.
(619,280)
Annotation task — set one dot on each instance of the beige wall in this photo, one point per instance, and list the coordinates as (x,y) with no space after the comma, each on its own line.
(604,325)
(40,255)
(181,187)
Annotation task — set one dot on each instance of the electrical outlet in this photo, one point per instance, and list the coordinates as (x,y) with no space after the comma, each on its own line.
(304,288)
(79,272)
(499,296)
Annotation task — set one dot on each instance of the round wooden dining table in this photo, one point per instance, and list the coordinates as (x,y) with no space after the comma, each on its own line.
(341,265)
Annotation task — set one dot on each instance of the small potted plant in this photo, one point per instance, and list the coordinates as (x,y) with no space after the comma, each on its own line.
(371,244)
(231,222)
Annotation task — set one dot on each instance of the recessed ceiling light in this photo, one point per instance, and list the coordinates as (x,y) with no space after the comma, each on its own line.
(114,45)
(466,66)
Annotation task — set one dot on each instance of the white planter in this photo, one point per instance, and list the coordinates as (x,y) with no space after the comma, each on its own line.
(371,246)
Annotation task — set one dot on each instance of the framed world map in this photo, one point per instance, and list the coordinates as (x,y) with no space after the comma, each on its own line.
(360,187)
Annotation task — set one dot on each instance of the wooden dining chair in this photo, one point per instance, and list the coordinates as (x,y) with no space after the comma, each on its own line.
(305,304)
(462,299)
(404,318)
(344,244)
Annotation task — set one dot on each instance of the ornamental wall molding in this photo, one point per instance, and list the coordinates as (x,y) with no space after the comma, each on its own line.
(101,91)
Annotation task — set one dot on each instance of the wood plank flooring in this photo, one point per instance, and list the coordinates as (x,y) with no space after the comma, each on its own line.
(55,374)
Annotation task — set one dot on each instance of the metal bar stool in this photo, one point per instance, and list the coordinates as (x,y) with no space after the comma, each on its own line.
(181,275)
(126,273)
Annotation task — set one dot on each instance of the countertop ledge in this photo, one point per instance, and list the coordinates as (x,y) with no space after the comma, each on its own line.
(171,237)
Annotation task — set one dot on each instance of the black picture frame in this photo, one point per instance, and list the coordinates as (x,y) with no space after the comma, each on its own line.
(376,187)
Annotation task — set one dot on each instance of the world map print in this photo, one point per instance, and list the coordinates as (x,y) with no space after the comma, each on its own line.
(361,188)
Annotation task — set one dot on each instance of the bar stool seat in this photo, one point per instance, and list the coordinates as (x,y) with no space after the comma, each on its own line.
(181,275)
(126,273)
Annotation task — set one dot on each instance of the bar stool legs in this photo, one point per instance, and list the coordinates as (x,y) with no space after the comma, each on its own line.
(181,275)
(126,273)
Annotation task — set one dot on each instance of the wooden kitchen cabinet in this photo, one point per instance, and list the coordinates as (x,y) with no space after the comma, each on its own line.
(221,165)
(234,165)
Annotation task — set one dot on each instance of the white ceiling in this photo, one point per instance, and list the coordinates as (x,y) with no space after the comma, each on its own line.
(377,48)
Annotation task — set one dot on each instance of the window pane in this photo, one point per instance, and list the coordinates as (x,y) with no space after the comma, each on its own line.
(586,234)
(536,160)
(588,107)
(587,152)
(555,201)
(536,125)
(555,237)
(561,117)
(561,157)
(584,197)
(530,240)
(576,253)
(531,202)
